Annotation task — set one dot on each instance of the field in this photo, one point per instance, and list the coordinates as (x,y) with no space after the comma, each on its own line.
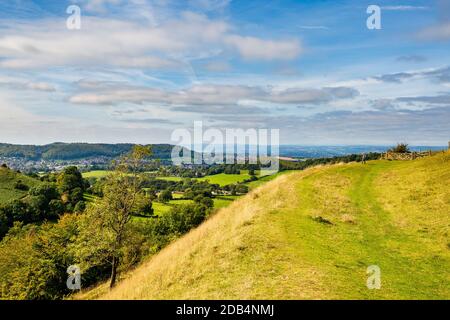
(7,180)
(220,179)
(219,202)
(170,178)
(223,179)
(312,235)
(96,174)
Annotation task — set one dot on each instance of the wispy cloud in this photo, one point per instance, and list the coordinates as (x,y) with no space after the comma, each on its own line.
(412,58)
(207,95)
(404,8)
(437,32)
(314,27)
(438,74)
(21,84)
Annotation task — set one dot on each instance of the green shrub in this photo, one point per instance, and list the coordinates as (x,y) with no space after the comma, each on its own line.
(400,148)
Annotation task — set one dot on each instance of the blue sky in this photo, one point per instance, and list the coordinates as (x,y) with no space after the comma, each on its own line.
(138,69)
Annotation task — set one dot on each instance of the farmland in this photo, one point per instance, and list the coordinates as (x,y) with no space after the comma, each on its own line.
(221,179)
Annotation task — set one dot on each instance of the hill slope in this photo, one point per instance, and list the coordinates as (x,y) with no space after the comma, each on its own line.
(8,179)
(311,235)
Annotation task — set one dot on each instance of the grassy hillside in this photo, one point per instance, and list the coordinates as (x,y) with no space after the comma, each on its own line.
(8,179)
(311,235)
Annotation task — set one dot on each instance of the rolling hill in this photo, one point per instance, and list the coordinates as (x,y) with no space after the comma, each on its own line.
(8,181)
(311,235)
(74,151)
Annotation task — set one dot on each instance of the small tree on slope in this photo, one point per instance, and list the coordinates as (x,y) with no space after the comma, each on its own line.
(104,228)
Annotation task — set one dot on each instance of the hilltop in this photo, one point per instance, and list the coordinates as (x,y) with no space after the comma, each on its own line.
(311,235)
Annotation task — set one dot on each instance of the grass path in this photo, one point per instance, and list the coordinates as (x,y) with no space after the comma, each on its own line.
(364,233)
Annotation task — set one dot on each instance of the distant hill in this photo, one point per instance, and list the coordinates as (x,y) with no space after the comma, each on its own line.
(312,234)
(74,151)
(9,180)
(298,151)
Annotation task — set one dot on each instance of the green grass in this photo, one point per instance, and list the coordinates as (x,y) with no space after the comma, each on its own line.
(177,195)
(96,174)
(89,197)
(219,202)
(180,201)
(160,208)
(176,179)
(223,179)
(224,201)
(257,183)
(7,180)
(376,221)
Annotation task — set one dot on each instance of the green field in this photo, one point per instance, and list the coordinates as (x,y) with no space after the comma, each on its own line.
(224,201)
(312,235)
(7,180)
(219,202)
(223,179)
(96,174)
(261,180)
(176,179)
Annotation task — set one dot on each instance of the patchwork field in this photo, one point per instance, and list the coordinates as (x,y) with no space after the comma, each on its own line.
(220,179)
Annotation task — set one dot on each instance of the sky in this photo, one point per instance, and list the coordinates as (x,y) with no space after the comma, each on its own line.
(137,70)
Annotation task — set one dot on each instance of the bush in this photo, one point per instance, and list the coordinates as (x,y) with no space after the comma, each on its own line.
(4,223)
(145,208)
(400,148)
(205,201)
(56,207)
(80,207)
(19,185)
(165,196)
(180,219)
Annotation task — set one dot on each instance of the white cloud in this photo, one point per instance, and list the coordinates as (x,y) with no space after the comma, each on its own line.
(314,27)
(206,95)
(217,66)
(22,84)
(118,43)
(437,32)
(255,48)
(210,5)
(98,6)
